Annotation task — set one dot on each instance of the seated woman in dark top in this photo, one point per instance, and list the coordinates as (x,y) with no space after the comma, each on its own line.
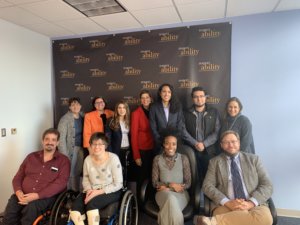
(171,176)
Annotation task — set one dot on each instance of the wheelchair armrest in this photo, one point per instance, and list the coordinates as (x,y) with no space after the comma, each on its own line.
(273,210)
(207,206)
(197,198)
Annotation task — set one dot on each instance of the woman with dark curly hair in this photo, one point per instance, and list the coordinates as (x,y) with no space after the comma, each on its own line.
(171,177)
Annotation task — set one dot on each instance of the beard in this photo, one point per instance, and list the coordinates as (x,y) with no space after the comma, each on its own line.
(231,154)
(199,105)
(49,148)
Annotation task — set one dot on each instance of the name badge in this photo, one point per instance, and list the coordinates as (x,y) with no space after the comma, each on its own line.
(54,169)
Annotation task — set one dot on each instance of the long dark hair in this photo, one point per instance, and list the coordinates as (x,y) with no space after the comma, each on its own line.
(175,105)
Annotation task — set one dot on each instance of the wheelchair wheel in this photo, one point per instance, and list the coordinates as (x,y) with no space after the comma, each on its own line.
(128,210)
(60,211)
(42,219)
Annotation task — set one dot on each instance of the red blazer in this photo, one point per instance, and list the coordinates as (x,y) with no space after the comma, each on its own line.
(141,134)
(93,123)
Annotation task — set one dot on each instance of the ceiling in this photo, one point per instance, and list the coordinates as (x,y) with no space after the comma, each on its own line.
(56,19)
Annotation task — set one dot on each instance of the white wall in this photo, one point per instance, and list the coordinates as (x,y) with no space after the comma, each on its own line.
(25,98)
(266,77)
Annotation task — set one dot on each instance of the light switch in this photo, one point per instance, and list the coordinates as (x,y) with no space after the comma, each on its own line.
(3,132)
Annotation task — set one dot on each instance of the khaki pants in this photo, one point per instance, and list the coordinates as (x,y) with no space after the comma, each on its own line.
(259,215)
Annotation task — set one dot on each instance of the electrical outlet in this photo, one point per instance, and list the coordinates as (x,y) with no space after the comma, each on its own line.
(13,131)
(3,132)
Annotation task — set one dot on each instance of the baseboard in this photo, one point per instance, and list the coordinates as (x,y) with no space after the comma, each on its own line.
(288,213)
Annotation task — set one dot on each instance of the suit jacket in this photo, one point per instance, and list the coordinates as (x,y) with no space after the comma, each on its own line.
(256,180)
(141,135)
(158,123)
(93,123)
(114,137)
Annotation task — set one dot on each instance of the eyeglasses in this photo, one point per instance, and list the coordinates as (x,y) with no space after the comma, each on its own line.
(96,145)
(230,142)
(199,96)
(75,104)
(98,103)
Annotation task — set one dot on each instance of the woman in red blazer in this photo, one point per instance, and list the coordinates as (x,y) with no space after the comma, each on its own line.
(142,141)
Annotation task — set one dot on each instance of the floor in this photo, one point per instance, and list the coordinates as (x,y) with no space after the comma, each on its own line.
(146,220)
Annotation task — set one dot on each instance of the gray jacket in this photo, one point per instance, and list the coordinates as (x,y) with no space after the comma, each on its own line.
(66,129)
(257,182)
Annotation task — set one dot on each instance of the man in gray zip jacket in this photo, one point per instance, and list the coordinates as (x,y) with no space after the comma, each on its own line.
(203,124)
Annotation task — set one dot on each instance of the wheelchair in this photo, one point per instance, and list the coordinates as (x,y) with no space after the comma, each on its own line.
(147,193)
(124,212)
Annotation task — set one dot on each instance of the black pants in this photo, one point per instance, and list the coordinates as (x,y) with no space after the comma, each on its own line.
(202,163)
(145,171)
(130,169)
(16,214)
(98,202)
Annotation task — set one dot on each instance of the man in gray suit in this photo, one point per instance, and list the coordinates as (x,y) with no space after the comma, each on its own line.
(238,185)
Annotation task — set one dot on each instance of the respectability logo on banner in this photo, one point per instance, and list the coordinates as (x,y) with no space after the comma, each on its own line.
(113,57)
(168,69)
(186,83)
(97,44)
(147,54)
(187,51)
(79,59)
(64,101)
(131,71)
(208,33)
(130,100)
(66,74)
(166,37)
(208,67)
(82,87)
(114,86)
(97,72)
(66,47)
(129,40)
(149,85)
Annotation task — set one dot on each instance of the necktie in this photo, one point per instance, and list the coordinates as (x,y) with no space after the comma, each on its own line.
(237,181)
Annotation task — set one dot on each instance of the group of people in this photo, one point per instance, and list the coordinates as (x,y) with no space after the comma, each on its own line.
(151,134)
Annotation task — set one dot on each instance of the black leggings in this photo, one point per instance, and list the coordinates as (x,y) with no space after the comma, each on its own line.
(98,202)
